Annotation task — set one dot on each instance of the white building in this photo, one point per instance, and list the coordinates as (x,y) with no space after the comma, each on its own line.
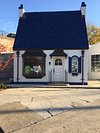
(51,47)
(94,61)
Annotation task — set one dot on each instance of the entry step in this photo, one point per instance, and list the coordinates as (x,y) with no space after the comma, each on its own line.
(57,84)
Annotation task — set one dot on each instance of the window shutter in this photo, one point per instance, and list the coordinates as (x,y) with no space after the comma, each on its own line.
(79,65)
(70,64)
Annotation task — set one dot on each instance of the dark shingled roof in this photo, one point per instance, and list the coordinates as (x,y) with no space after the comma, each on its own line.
(51,30)
(32,53)
(58,52)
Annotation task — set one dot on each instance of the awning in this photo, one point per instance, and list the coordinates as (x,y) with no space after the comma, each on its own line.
(58,53)
(32,53)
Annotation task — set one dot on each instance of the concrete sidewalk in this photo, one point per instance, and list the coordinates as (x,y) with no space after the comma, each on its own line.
(94,83)
(86,120)
(49,101)
(45,103)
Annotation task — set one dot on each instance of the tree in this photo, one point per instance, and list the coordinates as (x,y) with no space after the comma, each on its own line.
(6,44)
(93,34)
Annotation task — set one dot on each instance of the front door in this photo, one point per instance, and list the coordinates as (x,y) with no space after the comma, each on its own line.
(58,69)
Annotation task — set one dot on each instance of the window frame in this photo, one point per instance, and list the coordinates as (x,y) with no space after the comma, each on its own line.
(58,62)
(77,65)
(95,63)
(42,64)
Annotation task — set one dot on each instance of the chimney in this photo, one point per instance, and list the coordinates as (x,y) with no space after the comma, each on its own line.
(83,9)
(21,11)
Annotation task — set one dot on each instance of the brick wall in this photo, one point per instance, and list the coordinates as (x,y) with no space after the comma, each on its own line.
(6,74)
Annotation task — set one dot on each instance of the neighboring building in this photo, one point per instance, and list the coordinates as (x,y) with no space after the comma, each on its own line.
(51,47)
(11,35)
(6,67)
(6,58)
(94,61)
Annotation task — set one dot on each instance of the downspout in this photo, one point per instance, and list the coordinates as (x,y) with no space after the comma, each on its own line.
(17,66)
(82,66)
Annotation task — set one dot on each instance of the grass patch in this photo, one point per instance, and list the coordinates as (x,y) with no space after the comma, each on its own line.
(3,86)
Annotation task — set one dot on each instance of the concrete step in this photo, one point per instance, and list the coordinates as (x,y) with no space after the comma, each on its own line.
(57,84)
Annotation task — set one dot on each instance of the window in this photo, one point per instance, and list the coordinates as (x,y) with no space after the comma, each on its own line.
(95,63)
(58,62)
(33,66)
(74,64)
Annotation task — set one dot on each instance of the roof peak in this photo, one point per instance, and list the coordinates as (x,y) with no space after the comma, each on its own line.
(51,11)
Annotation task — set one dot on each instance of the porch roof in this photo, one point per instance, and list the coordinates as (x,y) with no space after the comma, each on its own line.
(32,53)
(58,53)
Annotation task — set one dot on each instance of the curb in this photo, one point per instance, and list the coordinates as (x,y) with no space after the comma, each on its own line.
(49,86)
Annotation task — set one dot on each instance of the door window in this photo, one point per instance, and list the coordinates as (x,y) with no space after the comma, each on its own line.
(58,62)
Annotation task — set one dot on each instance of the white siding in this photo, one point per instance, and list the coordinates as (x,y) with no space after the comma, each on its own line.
(49,67)
(78,78)
(93,50)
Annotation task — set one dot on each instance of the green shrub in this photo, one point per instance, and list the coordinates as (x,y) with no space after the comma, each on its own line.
(3,86)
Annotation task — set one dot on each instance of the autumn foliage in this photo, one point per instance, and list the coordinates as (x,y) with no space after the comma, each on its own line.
(93,34)
(6,44)
(6,47)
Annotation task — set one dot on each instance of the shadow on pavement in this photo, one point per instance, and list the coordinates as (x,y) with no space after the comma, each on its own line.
(1,130)
(51,109)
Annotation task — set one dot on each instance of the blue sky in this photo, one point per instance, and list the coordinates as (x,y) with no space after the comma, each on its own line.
(9,10)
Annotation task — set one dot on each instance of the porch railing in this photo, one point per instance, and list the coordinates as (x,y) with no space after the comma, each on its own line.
(50,76)
(66,76)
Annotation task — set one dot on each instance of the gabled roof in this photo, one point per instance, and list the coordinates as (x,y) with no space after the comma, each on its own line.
(58,52)
(51,30)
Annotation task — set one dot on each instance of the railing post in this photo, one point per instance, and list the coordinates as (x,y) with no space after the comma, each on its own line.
(17,53)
